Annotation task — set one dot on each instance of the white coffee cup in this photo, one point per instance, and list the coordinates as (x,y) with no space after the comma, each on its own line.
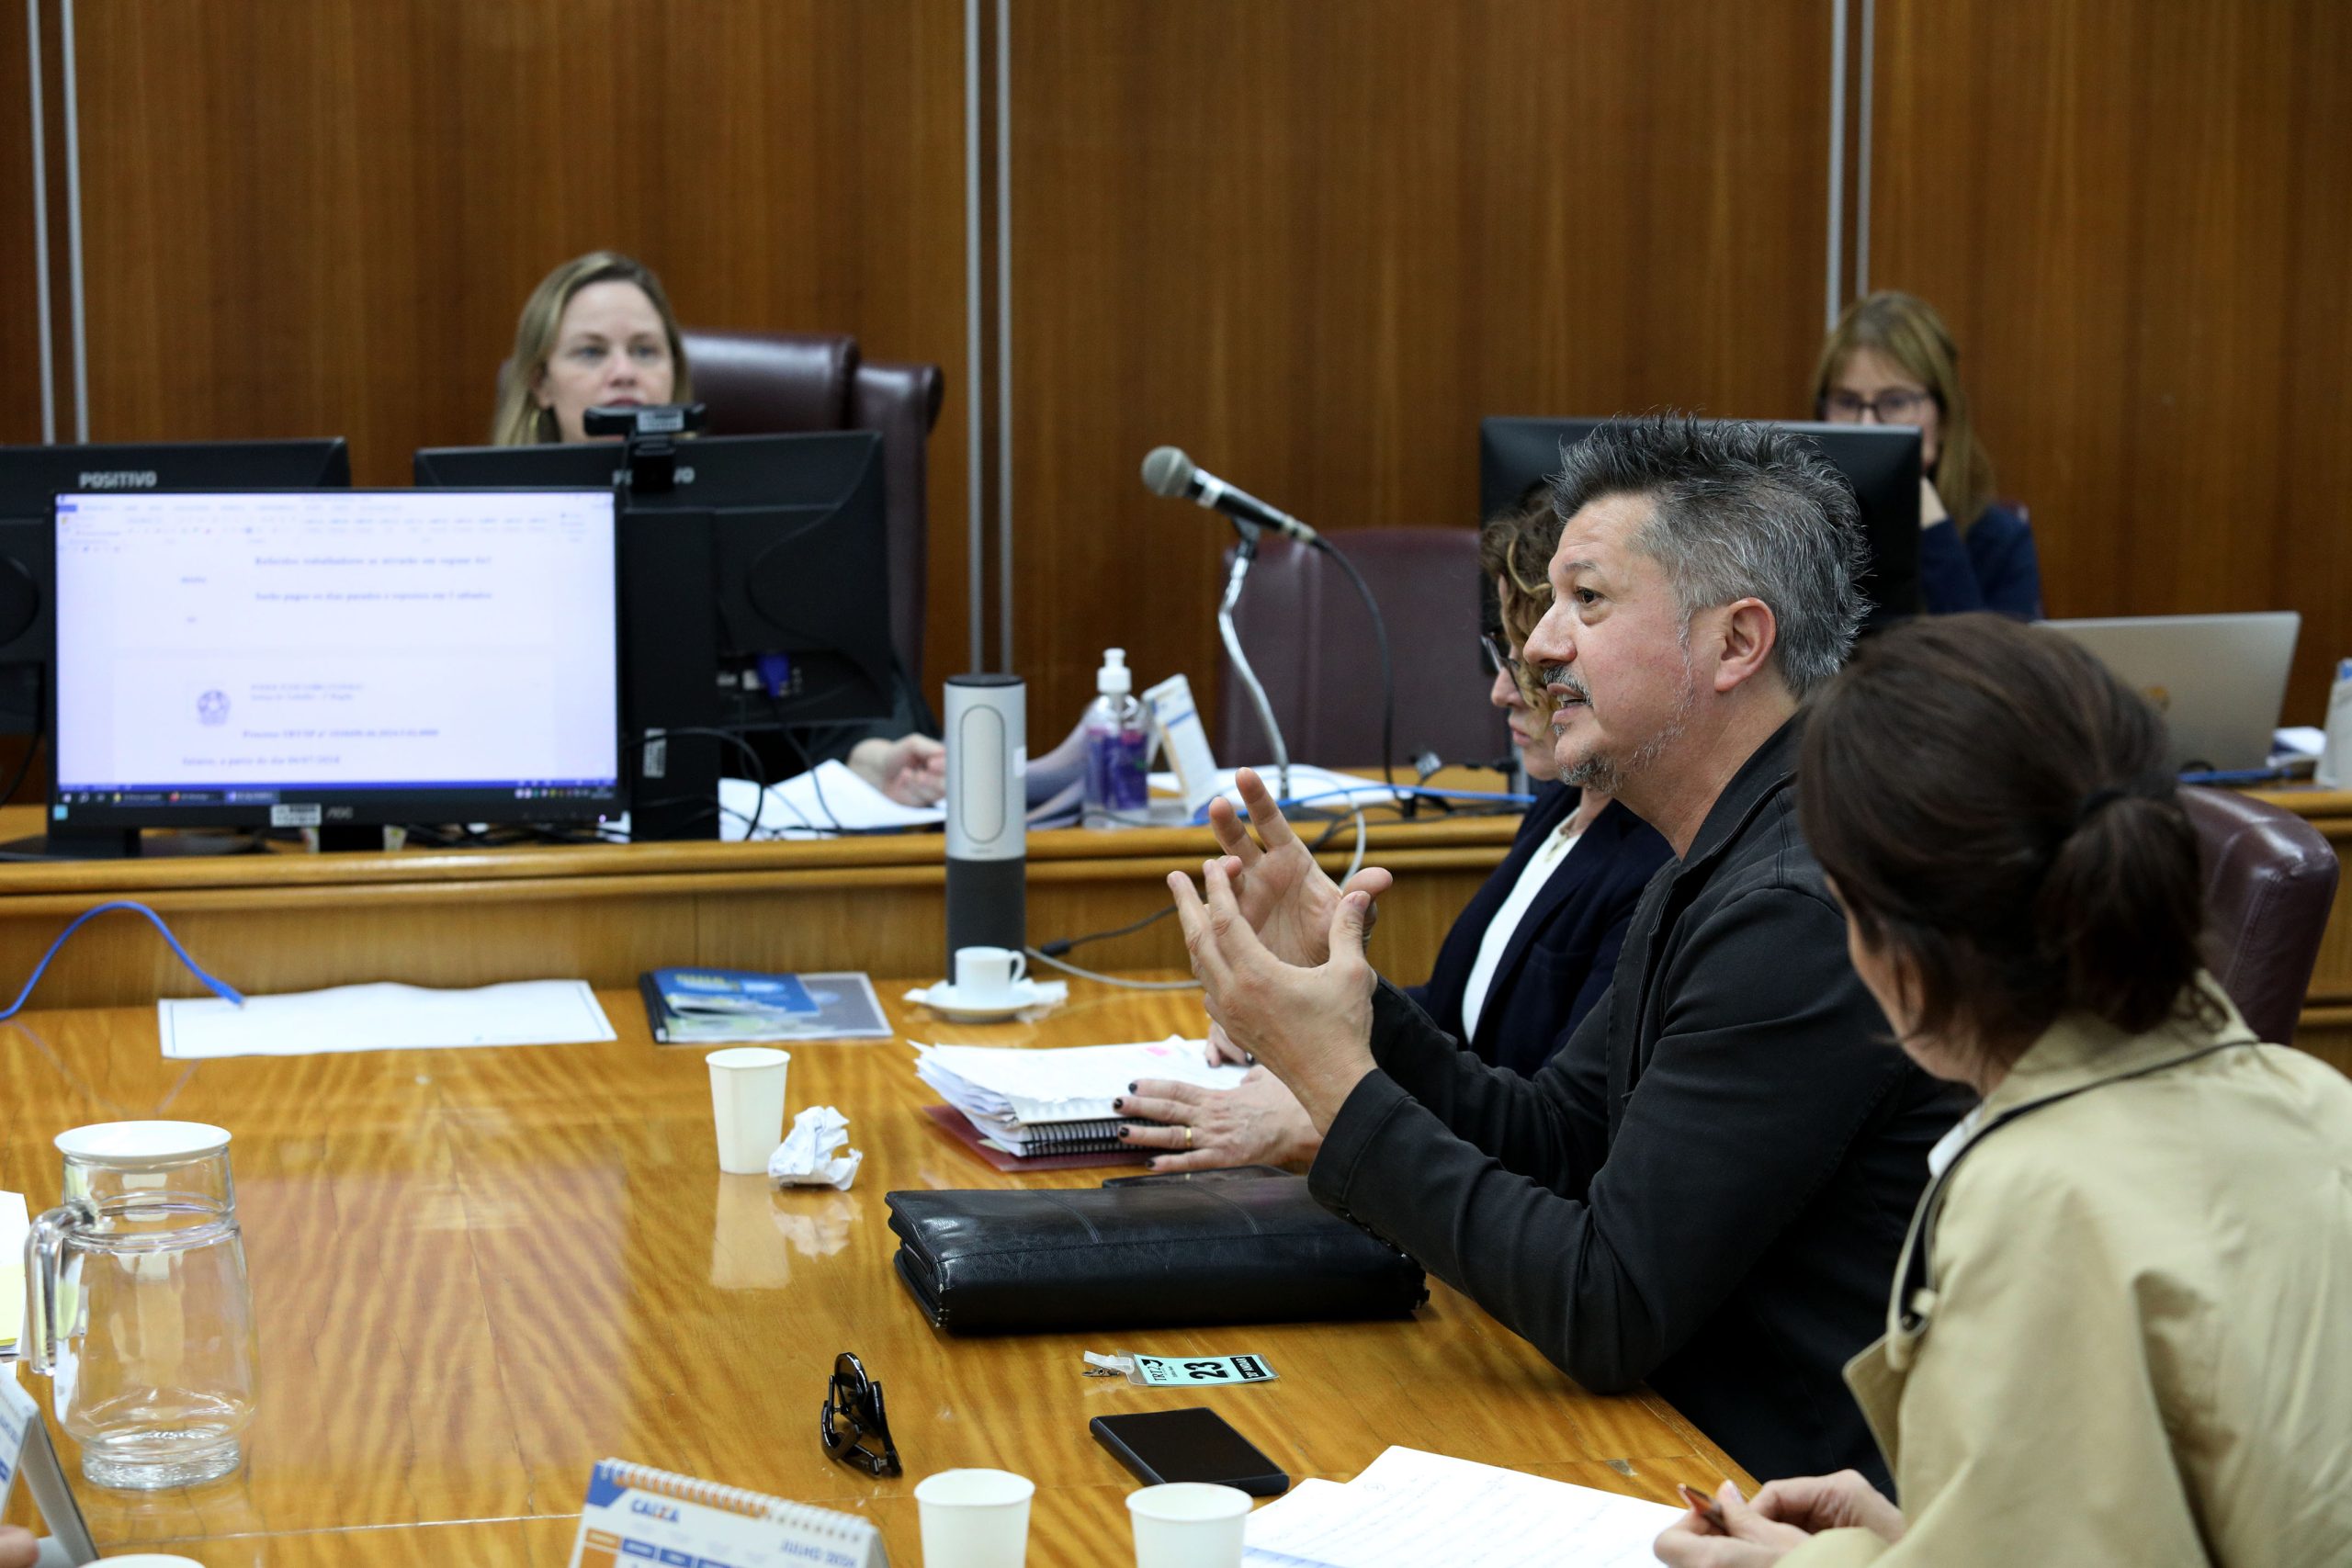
(1189,1524)
(975,1518)
(985,975)
(747,1104)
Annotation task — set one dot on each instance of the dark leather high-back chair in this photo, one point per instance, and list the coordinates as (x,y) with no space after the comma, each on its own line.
(2270,883)
(1307,635)
(779,383)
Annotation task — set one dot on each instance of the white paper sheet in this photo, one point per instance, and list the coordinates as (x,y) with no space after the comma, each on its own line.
(812,805)
(382,1017)
(13,1225)
(1308,787)
(1409,1509)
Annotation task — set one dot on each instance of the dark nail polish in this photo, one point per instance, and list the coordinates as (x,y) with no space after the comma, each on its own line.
(1124,1131)
(1131,1089)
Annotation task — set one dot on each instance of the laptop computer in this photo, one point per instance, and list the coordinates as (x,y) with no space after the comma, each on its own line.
(2219,680)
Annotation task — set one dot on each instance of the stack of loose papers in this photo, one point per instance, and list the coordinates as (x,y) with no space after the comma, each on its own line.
(1017,1098)
(826,800)
(1409,1509)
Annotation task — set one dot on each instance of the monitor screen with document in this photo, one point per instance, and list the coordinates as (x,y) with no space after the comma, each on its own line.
(314,659)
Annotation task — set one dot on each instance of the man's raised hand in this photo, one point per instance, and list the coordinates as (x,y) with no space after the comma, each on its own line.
(1286,898)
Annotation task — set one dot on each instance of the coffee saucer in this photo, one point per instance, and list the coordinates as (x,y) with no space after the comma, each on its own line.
(950,1001)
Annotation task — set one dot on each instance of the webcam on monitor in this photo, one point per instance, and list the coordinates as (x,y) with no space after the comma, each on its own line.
(648,434)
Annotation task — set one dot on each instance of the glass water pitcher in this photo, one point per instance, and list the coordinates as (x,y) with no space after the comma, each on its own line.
(138,1304)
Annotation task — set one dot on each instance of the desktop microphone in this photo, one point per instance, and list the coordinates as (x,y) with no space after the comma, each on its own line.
(1166,471)
(987,829)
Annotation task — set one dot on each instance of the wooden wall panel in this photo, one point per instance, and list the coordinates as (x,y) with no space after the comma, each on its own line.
(1313,242)
(19,299)
(324,217)
(2137,218)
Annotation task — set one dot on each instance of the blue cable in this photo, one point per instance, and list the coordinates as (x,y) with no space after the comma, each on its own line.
(2234,776)
(220,989)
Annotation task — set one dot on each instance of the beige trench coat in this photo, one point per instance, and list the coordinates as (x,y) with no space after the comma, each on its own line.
(2122,1330)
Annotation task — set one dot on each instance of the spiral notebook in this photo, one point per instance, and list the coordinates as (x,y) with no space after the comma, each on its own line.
(637,1516)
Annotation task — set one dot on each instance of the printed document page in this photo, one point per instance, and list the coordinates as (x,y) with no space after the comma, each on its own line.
(382,1017)
(1409,1509)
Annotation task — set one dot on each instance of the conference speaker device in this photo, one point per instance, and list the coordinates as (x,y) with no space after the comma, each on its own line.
(988,828)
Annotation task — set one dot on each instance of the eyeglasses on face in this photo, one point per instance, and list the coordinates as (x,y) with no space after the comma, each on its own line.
(852,1425)
(1499,658)
(1897,405)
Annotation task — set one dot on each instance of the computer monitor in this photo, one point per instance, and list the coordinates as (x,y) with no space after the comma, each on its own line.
(31,477)
(1882,462)
(330,658)
(755,596)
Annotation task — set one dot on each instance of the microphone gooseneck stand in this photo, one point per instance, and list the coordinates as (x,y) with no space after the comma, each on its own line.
(1166,471)
(1243,554)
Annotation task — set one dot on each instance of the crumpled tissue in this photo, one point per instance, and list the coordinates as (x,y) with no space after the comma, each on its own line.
(814,1153)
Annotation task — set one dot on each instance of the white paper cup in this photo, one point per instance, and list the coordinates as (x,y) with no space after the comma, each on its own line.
(747,1103)
(1188,1524)
(975,1518)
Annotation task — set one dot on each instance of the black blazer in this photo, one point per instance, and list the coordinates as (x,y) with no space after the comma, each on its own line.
(1564,949)
(1708,1186)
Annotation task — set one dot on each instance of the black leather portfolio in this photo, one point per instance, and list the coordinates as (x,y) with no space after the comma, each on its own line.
(1241,1246)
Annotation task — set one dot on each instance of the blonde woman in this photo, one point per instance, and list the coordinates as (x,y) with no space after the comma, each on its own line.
(598,332)
(1890,361)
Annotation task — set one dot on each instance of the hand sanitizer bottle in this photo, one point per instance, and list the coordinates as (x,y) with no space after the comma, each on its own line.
(1116,741)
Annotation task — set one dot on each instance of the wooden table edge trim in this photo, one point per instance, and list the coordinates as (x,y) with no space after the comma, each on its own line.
(523,889)
(634,862)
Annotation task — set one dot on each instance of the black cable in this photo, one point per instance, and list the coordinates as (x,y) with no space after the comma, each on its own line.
(758,774)
(1407,804)
(1057,949)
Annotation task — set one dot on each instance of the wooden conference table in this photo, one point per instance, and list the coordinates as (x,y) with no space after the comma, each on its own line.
(477,1272)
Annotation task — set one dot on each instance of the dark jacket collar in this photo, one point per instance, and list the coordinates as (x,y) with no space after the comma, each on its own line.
(1765,772)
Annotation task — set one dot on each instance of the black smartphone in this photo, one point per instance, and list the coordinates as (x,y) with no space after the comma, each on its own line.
(1194,1444)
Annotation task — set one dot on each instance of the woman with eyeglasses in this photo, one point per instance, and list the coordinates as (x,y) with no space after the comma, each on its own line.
(1535,947)
(2121,1330)
(1890,361)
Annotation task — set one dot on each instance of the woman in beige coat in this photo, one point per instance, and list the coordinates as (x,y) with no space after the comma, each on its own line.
(2122,1331)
